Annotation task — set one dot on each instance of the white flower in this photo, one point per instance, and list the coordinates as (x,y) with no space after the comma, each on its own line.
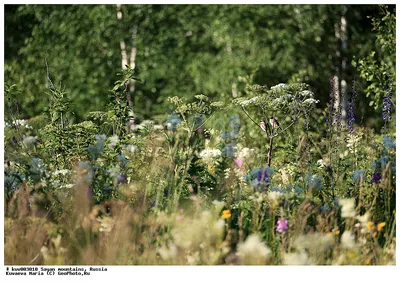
(62,172)
(113,141)
(347,207)
(364,219)
(279,86)
(246,153)
(310,101)
(307,93)
(22,123)
(273,197)
(348,241)
(209,155)
(296,258)
(253,250)
(131,148)
(248,102)
(29,141)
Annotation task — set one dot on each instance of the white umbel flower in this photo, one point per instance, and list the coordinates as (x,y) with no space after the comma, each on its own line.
(348,210)
(113,140)
(29,141)
(348,240)
(209,155)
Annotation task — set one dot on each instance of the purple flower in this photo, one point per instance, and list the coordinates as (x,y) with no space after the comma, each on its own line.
(262,175)
(282,225)
(376,177)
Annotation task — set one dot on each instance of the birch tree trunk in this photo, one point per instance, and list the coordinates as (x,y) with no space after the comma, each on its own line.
(130,50)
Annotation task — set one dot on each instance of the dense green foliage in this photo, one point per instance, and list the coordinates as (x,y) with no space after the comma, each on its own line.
(181,50)
(166,162)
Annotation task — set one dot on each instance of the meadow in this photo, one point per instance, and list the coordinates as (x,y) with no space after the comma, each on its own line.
(214,181)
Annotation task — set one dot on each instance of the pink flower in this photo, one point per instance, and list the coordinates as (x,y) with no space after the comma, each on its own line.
(239,163)
(282,225)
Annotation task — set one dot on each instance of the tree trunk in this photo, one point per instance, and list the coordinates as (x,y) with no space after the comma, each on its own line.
(132,49)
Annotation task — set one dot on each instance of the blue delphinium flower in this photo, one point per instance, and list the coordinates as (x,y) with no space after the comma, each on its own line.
(351,109)
(95,150)
(376,177)
(172,122)
(314,182)
(358,175)
(229,150)
(388,143)
(122,159)
(259,178)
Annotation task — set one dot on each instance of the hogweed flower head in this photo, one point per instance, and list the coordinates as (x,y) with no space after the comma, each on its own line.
(348,210)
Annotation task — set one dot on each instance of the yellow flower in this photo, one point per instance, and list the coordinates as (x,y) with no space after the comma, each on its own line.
(329,234)
(392,152)
(226,214)
(367,261)
(370,225)
(381,225)
(375,234)
(337,232)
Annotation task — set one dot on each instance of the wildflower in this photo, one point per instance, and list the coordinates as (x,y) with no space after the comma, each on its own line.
(310,101)
(226,214)
(273,197)
(348,240)
(359,175)
(367,261)
(62,172)
(259,178)
(229,150)
(249,101)
(209,156)
(347,207)
(364,219)
(246,154)
(122,179)
(239,163)
(113,141)
(29,141)
(389,143)
(314,182)
(351,109)
(376,177)
(279,86)
(282,225)
(21,123)
(172,122)
(131,149)
(370,225)
(380,226)
(253,250)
